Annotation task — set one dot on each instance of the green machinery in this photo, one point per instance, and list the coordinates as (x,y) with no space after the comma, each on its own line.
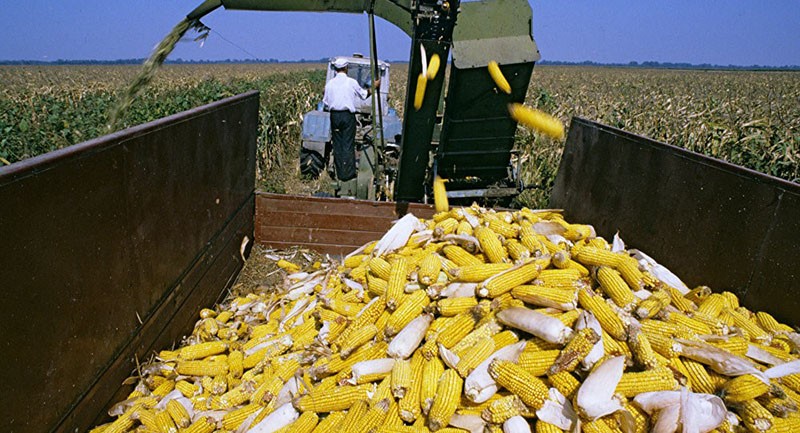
(466,134)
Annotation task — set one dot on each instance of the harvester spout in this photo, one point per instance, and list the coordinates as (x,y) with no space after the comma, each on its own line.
(204,9)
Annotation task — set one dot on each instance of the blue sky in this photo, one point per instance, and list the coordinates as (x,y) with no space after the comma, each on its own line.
(695,31)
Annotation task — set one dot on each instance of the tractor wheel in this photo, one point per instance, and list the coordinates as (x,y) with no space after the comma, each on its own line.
(311,163)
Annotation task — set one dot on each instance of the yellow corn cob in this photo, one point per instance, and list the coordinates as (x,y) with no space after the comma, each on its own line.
(785,425)
(750,326)
(164,388)
(491,245)
(484,331)
(537,344)
(503,228)
(374,417)
(663,344)
(795,397)
(657,379)
(498,78)
(380,268)
(652,305)
(628,269)
(478,273)
(235,363)
(355,261)
(178,413)
(742,388)
(598,257)
(429,268)
(574,352)
(517,251)
(186,388)
(409,405)
(460,256)
(148,419)
(712,305)
(202,368)
(547,296)
(401,377)
(234,397)
(384,389)
(330,423)
(376,286)
(698,294)
(500,410)
(456,329)
(731,300)
(503,283)
(352,296)
(411,308)
(615,287)
(608,319)
(419,93)
(565,383)
(519,381)
(768,323)
(698,377)
(349,309)
(354,415)
(538,362)
(687,322)
(203,425)
(503,339)
(368,315)
(464,228)
(537,120)
(733,344)
(755,416)
(433,67)
(339,398)
(454,306)
(562,278)
(474,356)
(288,266)
(679,301)
(640,418)
(781,353)
(780,407)
(726,318)
(431,372)
(642,351)
(164,422)
(445,227)
(303,424)
(218,385)
(545,427)
(357,338)
(444,405)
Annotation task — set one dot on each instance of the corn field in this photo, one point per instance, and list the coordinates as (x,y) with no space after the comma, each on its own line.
(747,118)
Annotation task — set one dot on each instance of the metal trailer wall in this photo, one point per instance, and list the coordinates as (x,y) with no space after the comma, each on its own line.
(710,222)
(109,249)
(334,226)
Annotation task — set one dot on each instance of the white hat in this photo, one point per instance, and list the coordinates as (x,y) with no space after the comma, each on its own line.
(339,63)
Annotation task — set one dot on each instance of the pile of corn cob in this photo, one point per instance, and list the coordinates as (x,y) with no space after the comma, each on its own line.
(476,320)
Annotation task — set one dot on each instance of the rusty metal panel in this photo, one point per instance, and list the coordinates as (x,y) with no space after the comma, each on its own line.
(328,225)
(710,222)
(110,247)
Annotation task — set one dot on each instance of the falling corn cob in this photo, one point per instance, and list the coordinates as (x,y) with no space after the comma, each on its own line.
(498,78)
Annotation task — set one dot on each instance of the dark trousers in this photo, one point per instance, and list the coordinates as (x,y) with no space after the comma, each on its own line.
(343,128)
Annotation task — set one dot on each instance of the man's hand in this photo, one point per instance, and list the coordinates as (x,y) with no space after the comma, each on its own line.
(376,84)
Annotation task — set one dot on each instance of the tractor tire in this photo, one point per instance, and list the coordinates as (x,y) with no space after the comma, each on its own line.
(311,163)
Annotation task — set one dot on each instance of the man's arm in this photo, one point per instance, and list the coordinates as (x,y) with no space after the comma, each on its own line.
(364,93)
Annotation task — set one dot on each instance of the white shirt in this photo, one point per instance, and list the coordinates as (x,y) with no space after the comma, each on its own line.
(341,91)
